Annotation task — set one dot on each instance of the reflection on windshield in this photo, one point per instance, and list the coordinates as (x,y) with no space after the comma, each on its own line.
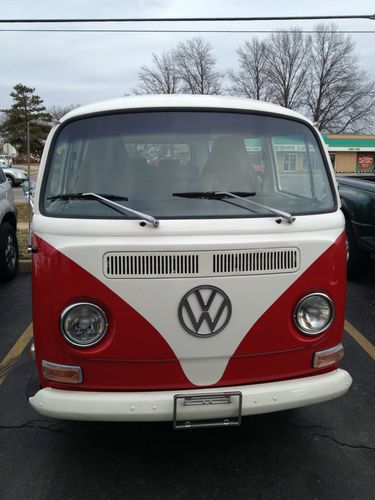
(144,159)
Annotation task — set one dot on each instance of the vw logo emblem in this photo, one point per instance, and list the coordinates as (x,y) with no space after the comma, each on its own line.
(204,311)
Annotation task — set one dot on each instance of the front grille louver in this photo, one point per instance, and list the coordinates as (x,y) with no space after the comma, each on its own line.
(256,261)
(200,264)
(150,265)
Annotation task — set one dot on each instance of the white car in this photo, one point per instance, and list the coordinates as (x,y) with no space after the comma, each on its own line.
(8,224)
(15,176)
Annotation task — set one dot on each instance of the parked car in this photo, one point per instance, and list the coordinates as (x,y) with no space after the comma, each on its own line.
(8,224)
(358,205)
(15,176)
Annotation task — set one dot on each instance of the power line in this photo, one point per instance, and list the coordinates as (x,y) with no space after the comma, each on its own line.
(187,19)
(10,30)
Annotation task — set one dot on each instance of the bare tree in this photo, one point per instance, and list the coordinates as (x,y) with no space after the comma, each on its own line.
(315,74)
(196,67)
(58,112)
(252,78)
(161,78)
(340,96)
(288,60)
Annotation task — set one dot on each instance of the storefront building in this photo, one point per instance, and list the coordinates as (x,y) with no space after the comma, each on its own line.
(352,153)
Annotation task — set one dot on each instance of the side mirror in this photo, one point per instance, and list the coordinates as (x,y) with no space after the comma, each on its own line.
(29,191)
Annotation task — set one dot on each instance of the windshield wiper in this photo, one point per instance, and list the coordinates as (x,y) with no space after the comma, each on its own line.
(284,215)
(241,195)
(77,196)
(214,195)
(108,199)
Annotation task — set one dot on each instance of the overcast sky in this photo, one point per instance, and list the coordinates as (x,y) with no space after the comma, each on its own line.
(81,68)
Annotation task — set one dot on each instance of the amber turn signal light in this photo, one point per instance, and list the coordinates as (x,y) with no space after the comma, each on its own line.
(62,373)
(328,357)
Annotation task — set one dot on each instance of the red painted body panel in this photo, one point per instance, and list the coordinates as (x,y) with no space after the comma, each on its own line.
(134,356)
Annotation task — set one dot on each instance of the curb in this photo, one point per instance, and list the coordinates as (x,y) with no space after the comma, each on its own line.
(24,266)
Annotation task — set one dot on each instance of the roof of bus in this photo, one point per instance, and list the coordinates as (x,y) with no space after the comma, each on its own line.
(180,101)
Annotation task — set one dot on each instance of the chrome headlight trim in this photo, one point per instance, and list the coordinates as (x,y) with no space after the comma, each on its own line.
(68,310)
(311,331)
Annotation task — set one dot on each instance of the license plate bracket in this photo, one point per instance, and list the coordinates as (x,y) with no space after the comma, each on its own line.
(226,407)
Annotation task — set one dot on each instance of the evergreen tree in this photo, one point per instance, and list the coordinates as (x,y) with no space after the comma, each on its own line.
(27,107)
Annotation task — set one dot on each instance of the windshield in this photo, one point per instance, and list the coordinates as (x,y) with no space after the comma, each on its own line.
(148,158)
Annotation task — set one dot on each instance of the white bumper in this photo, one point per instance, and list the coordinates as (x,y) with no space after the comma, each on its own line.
(159,405)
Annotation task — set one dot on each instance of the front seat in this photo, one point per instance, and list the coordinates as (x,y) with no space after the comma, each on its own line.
(104,168)
(228,167)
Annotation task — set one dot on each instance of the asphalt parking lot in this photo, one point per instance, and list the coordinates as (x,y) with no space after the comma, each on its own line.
(322,451)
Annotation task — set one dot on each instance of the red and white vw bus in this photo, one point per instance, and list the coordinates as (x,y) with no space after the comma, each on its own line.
(189,263)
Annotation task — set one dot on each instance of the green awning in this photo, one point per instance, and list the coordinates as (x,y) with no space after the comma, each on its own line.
(349,143)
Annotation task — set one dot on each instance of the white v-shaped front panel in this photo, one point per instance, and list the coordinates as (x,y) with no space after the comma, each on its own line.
(203,360)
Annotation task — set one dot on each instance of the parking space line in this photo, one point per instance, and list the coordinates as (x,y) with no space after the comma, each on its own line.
(360,339)
(8,362)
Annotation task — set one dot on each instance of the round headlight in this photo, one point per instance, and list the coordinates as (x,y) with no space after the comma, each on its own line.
(83,324)
(314,313)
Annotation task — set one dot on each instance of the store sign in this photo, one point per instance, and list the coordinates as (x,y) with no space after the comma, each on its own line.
(365,162)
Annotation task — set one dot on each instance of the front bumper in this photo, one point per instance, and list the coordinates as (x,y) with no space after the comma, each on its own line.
(159,405)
